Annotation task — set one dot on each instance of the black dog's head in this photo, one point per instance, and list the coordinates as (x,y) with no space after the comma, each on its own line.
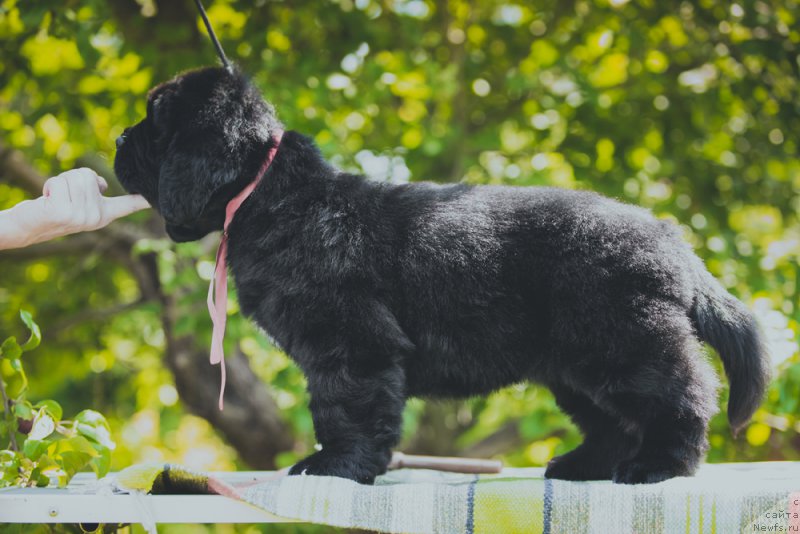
(203,139)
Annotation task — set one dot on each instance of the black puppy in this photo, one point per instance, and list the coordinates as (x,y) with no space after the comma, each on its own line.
(381,292)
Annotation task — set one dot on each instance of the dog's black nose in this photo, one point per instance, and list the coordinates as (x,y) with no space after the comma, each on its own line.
(121,138)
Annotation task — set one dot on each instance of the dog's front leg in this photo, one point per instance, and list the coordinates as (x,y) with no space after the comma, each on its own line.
(357,416)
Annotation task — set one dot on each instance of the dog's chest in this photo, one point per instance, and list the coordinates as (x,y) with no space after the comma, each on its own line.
(283,284)
(262,287)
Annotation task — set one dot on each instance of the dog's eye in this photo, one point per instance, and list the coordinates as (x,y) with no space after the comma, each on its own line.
(154,102)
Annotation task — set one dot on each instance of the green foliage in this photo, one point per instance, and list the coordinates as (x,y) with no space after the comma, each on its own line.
(43,449)
(690,109)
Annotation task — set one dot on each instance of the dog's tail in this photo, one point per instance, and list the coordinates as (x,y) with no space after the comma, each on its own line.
(727,325)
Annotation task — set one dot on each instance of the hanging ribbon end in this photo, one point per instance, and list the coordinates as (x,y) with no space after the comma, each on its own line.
(222,384)
(218,288)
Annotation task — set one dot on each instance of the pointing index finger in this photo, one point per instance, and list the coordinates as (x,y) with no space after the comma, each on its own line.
(116,207)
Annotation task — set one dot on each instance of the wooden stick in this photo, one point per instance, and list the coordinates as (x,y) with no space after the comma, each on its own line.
(443,463)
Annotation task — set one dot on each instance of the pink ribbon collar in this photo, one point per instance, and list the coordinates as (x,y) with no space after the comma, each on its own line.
(218,289)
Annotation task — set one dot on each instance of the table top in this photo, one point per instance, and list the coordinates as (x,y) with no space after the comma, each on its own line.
(69,505)
(78,504)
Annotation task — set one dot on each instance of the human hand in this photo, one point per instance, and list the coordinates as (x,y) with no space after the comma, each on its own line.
(71,202)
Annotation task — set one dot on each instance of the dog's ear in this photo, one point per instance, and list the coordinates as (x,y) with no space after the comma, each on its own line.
(212,122)
(196,166)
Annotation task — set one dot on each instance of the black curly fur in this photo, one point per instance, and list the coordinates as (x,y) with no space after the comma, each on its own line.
(380,292)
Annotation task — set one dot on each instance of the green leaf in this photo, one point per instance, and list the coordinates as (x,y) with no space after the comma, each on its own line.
(23,410)
(36,334)
(34,448)
(40,479)
(46,466)
(52,407)
(16,365)
(72,462)
(76,444)
(95,420)
(91,418)
(45,462)
(14,377)
(10,349)
(101,463)
(97,434)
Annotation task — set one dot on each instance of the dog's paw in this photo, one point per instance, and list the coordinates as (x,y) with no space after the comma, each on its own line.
(577,465)
(648,472)
(361,469)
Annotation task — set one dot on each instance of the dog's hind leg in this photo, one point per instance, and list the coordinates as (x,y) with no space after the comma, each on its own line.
(357,419)
(662,384)
(675,421)
(607,440)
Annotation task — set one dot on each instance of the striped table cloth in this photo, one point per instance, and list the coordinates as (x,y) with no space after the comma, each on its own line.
(724,498)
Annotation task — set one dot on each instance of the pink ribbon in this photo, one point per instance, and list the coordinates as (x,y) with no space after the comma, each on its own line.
(218,289)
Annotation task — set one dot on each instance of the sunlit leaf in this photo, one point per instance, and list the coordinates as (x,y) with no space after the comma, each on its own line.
(51,407)
(43,426)
(36,334)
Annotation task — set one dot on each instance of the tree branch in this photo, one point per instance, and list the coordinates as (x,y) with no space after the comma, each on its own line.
(76,244)
(19,172)
(94,314)
(506,438)
(438,429)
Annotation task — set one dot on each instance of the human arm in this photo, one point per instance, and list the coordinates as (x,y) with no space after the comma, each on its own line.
(71,202)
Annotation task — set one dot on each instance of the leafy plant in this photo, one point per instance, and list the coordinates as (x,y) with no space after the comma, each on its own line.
(42,448)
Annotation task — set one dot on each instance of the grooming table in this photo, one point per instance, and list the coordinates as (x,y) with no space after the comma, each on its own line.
(755,497)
